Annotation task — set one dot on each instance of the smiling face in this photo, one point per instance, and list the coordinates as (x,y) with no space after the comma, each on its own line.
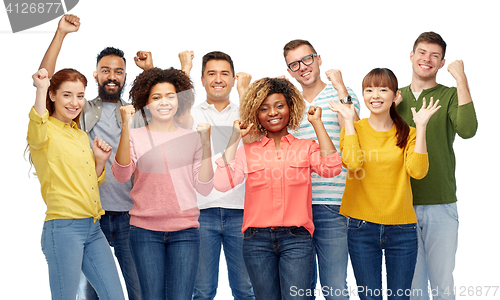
(68,100)
(110,76)
(218,80)
(305,75)
(426,60)
(163,102)
(378,99)
(274,115)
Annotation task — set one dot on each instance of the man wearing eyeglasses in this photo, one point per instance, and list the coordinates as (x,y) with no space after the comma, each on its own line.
(330,234)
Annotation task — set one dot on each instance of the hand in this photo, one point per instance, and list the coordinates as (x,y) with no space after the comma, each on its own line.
(456,70)
(127,112)
(242,81)
(399,98)
(144,60)
(69,23)
(314,114)
(425,113)
(102,150)
(281,77)
(204,131)
(186,59)
(41,79)
(347,111)
(335,77)
(242,128)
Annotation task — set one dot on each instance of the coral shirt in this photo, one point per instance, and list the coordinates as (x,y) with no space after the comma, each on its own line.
(278,183)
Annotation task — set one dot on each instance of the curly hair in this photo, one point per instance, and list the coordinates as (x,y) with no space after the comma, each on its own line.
(258,91)
(141,87)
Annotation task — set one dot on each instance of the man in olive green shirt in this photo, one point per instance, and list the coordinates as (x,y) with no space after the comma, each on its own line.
(434,197)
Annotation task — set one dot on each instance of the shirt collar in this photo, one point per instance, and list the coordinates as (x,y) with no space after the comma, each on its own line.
(205,105)
(287,138)
(62,124)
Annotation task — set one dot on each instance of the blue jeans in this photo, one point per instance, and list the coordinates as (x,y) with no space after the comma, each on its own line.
(437,245)
(116,228)
(221,226)
(367,243)
(279,261)
(330,243)
(75,245)
(166,262)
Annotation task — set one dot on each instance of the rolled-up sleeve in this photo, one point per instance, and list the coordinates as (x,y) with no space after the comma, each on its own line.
(37,129)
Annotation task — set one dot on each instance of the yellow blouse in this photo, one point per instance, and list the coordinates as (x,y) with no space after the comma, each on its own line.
(65,166)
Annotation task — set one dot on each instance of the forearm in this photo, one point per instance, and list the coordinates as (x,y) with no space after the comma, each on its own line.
(325,142)
(40,101)
(123,152)
(99,166)
(206,170)
(342,121)
(230,152)
(463,92)
(420,142)
(50,57)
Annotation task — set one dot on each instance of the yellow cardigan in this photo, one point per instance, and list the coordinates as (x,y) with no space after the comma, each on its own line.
(378,186)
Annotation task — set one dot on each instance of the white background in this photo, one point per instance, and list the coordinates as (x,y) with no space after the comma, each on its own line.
(353,36)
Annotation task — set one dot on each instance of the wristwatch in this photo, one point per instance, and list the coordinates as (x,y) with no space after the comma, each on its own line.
(346,100)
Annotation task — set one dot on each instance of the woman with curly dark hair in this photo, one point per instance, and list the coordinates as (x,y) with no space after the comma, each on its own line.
(170,165)
(277,221)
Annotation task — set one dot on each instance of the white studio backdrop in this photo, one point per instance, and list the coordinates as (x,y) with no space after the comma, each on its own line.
(352,36)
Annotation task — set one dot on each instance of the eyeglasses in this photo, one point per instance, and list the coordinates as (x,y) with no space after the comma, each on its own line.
(306,60)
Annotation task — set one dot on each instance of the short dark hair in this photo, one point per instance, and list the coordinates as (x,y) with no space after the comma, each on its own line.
(295,44)
(216,55)
(141,87)
(111,51)
(431,38)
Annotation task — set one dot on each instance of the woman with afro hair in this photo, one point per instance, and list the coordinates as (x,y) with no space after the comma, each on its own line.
(170,164)
(277,220)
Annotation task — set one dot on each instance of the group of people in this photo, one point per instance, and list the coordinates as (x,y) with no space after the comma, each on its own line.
(288,183)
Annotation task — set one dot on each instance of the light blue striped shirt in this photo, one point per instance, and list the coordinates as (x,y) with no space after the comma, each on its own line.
(326,190)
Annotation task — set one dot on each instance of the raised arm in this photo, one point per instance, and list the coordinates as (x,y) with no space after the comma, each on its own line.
(325,142)
(144,60)
(186,59)
(123,151)
(41,80)
(206,170)
(421,119)
(67,24)
(466,120)
(335,77)
(242,83)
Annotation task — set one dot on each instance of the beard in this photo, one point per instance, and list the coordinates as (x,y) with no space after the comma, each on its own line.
(114,96)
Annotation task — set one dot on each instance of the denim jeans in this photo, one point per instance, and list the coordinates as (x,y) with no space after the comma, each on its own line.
(437,245)
(330,245)
(116,228)
(221,226)
(367,243)
(166,262)
(279,261)
(75,245)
